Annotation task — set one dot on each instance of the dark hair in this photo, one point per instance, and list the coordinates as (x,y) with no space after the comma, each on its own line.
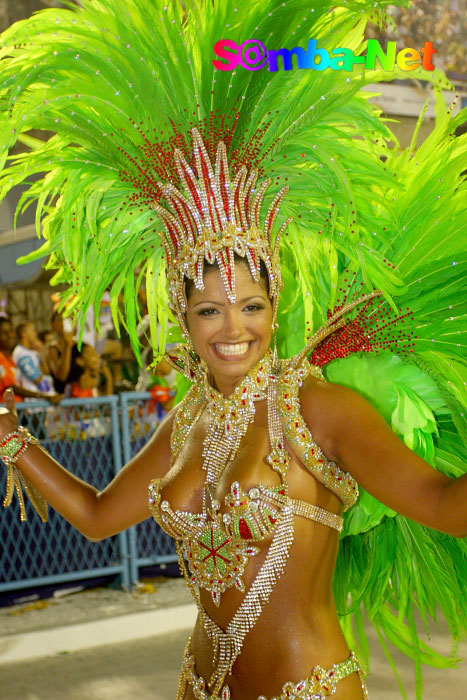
(41,335)
(239,260)
(5,319)
(20,329)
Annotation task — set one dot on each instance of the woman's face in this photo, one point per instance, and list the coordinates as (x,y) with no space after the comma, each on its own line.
(230,338)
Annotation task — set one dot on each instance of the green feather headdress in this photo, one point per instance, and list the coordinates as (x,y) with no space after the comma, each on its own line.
(122,89)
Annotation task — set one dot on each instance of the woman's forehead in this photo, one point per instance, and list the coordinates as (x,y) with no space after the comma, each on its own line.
(214,286)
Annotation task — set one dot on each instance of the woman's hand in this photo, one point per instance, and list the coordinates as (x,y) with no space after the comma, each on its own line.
(54,399)
(8,415)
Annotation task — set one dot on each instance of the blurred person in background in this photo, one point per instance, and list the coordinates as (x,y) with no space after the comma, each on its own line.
(10,376)
(47,338)
(29,357)
(62,354)
(162,386)
(105,341)
(92,368)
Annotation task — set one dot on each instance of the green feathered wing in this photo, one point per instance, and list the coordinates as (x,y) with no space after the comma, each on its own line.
(390,568)
(101,95)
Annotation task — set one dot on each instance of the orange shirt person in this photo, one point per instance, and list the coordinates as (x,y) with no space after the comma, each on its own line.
(92,365)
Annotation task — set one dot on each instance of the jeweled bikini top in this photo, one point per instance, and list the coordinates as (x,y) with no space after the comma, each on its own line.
(252,513)
(213,541)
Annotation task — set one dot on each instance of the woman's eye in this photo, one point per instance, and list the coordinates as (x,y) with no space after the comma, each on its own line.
(207,312)
(253,307)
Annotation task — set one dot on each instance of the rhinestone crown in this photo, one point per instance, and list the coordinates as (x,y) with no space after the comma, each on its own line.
(213,218)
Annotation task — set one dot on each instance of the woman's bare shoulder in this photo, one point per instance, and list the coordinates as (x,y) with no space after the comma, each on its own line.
(165,427)
(318,394)
(327,407)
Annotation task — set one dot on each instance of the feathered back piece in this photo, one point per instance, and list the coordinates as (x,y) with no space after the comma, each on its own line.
(121,90)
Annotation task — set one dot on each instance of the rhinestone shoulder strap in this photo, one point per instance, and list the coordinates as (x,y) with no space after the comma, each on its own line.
(298,433)
(188,412)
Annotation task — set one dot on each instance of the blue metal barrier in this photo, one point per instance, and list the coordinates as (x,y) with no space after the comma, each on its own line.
(91,438)
(84,436)
(147,542)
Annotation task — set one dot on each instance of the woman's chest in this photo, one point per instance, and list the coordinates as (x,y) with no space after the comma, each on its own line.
(220,518)
(186,485)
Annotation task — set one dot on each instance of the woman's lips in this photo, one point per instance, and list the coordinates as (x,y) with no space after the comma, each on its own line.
(232,350)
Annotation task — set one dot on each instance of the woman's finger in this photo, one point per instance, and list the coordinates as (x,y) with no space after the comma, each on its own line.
(9,400)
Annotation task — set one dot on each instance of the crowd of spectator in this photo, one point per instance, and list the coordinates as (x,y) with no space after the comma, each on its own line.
(51,365)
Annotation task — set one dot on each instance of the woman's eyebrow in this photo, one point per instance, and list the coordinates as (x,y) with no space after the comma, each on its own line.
(220,303)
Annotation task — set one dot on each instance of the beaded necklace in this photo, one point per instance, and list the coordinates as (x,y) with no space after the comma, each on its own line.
(229,418)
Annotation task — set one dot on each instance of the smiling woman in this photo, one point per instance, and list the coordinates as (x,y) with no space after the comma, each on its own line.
(256,472)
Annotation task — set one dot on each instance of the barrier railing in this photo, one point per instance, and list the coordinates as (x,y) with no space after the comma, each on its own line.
(147,542)
(92,438)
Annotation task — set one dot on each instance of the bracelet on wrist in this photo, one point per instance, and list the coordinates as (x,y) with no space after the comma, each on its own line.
(12,446)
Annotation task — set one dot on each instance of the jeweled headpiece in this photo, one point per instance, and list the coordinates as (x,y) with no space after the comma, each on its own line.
(215,217)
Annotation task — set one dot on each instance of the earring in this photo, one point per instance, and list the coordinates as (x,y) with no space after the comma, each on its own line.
(184,329)
(275,356)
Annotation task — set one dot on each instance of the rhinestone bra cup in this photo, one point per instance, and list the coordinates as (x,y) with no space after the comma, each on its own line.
(214,547)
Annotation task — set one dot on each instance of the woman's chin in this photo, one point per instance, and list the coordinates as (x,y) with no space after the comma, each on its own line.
(234,367)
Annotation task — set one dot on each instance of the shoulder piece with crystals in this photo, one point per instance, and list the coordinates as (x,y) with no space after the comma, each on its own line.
(293,374)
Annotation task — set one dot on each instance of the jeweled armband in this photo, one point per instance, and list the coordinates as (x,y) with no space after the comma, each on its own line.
(14,444)
(12,447)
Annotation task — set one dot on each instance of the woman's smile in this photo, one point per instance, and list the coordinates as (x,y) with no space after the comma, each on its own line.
(236,351)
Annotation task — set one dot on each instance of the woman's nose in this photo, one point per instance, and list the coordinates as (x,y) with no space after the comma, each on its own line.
(233,326)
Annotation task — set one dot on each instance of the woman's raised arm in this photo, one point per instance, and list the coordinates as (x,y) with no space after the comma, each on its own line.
(97,515)
(355,436)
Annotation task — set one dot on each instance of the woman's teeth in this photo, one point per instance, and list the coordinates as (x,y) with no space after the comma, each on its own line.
(232,349)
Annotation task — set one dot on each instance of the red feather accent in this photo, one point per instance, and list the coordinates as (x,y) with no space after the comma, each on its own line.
(375,328)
